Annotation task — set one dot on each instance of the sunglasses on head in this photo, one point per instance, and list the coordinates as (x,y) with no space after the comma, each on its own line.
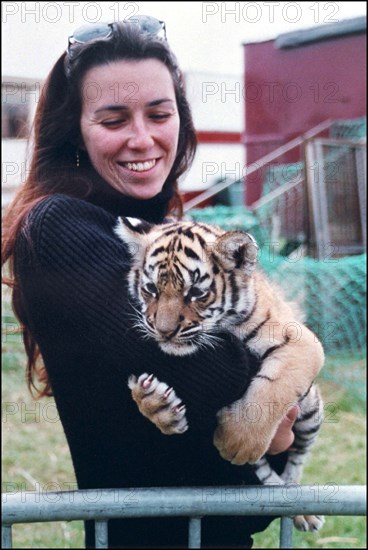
(100,31)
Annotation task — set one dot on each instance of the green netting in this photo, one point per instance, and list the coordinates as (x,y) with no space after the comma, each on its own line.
(331,293)
(279,174)
(285,216)
(230,217)
(349,129)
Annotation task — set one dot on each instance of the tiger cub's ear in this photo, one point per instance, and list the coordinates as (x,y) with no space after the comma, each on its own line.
(237,250)
(134,233)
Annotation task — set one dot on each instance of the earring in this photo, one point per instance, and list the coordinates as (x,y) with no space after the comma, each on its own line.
(77,158)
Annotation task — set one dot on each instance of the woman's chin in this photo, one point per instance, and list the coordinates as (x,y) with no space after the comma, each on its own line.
(139,190)
(144,194)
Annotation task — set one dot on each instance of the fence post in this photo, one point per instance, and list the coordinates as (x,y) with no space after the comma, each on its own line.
(101,534)
(286,532)
(6,536)
(194,533)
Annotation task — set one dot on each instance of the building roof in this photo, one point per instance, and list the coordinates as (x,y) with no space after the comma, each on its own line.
(294,39)
(358,25)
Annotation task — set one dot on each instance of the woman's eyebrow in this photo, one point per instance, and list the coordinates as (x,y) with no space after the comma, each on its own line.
(126,107)
(112,108)
(158,102)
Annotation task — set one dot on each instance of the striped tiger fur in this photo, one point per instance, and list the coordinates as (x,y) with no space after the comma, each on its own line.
(190,281)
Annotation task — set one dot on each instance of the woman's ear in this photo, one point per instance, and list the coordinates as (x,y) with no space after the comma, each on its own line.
(81,145)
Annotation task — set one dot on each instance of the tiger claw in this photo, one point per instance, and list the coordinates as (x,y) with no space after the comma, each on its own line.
(159,403)
(168,393)
(147,382)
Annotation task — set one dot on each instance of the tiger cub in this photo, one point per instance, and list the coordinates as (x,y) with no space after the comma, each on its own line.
(191,280)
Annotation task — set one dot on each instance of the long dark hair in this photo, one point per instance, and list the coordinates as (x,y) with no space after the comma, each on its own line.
(56,135)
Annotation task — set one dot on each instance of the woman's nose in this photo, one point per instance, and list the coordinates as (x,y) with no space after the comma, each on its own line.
(140,136)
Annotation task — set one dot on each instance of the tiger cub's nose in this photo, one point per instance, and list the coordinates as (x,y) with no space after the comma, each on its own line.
(168,316)
(167,332)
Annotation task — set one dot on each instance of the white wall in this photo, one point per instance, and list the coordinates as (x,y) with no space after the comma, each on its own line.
(214,162)
(216,100)
(218,106)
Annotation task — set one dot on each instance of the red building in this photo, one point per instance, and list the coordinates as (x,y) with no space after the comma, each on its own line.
(297,81)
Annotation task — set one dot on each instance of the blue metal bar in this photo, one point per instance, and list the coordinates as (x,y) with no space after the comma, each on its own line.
(283,501)
(101,534)
(194,533)
(286,532)
(31,506)
(6,536)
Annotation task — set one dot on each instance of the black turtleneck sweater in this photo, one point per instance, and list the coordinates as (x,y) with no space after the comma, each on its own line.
(72,270)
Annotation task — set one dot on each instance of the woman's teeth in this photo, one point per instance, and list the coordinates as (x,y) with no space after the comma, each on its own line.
(140,166)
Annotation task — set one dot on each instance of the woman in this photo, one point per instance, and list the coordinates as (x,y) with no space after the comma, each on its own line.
(113,133)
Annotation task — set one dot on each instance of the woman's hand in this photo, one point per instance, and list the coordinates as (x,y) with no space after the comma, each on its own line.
(284,436)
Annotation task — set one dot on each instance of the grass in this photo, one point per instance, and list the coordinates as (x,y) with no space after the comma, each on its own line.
(338,458)
(36,457)
(35,452)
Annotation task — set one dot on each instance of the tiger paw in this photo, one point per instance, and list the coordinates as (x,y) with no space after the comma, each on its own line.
(239,441)
(308,523)
(159,403)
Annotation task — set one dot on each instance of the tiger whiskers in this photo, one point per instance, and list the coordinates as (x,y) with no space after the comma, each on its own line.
(139,321)
(208,339)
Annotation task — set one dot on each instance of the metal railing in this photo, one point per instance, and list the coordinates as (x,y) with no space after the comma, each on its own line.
(255,166)
(336,174)
(195,503)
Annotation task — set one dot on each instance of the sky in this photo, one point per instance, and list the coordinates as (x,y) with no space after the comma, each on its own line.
(206,36)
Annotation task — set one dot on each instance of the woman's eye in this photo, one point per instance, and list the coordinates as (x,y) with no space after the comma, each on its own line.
(112,123)
(162,116)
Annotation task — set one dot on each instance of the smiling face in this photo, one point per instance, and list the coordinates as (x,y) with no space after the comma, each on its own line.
(130,125)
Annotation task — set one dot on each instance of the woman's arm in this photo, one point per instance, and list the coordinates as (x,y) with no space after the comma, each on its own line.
(74,280)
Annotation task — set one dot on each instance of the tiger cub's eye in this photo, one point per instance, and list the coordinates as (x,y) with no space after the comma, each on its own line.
(196,294)
(150,288)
